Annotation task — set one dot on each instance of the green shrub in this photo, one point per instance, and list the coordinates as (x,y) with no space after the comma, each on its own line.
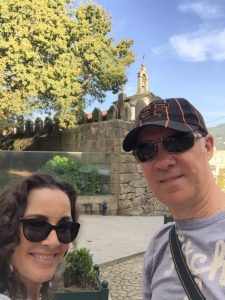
(79,268)
(85,179)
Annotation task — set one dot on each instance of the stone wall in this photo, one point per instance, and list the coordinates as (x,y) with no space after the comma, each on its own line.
(133,195)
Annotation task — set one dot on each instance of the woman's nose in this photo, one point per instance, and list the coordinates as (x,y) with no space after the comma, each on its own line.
(51,240)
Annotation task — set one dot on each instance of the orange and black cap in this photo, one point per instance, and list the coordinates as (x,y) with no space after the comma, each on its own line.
(174,113)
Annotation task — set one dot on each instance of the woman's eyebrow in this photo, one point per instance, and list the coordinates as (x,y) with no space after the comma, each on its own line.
(35,216)
(66,218)
(45,218)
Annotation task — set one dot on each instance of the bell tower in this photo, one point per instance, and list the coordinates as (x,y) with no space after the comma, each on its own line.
(142,80)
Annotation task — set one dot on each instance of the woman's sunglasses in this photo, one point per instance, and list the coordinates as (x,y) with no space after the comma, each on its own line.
(175,143)
(37,230)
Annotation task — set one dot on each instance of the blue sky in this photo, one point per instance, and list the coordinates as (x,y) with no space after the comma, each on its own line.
(184,46)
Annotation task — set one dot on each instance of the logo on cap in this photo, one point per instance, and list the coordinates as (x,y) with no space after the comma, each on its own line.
(154,111)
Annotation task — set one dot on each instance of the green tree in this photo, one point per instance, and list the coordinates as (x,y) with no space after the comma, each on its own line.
(53,57)
(85,179)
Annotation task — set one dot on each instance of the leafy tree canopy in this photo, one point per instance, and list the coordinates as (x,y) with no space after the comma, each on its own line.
(52,57)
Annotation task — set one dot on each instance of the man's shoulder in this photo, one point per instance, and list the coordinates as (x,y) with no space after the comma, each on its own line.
(163,232)
(157,249)
(161,238)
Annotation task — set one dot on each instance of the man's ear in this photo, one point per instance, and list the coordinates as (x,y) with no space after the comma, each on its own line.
(209,145)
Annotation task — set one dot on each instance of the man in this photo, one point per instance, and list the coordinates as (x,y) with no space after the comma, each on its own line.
(173,146)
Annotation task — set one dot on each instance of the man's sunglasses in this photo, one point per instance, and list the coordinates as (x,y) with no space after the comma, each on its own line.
(37,230)
(175,143)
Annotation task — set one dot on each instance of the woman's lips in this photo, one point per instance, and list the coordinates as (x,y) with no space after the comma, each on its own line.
(45,257)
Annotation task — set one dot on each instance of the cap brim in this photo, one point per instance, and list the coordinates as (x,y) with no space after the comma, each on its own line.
(130,139)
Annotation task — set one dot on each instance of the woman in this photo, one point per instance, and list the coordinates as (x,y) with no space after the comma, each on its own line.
(38,220)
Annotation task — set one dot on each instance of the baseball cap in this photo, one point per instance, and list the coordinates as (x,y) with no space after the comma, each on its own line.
(174,113)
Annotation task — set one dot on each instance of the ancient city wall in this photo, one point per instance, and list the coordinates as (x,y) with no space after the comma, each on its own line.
(130,188)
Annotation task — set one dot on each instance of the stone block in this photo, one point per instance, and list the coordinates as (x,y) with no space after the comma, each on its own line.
(96,115)
(137,211)
(148,209)
(125,158)
(124,178)
(140,191)
(134,211)
(115,189)
(123,204)
(126,188)
(149,191)
(130,196)
(127,168)
(122,197)
(138,176)
(159,206)
(140,201)
(158,213)
(114,178)
(112,113)
(138,183)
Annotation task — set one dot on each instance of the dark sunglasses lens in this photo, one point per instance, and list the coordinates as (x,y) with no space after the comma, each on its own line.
(178,143)
(35,230)
(67,231)
(145,152)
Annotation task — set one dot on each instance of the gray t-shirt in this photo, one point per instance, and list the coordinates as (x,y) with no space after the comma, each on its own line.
(4,297)
(203,244)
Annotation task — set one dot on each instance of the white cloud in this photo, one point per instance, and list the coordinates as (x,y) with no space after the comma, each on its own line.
(160,50)
(200,45)
(203,8)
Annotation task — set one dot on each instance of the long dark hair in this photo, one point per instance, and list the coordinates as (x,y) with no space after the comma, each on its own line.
(13,202)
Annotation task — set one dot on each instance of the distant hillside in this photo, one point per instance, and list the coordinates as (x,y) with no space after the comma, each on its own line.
(219,134)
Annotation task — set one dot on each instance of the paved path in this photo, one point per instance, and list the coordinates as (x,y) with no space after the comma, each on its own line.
(117,244)
(124,278)
(113,237)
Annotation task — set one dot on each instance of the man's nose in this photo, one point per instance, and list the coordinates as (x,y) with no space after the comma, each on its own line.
(164,159)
